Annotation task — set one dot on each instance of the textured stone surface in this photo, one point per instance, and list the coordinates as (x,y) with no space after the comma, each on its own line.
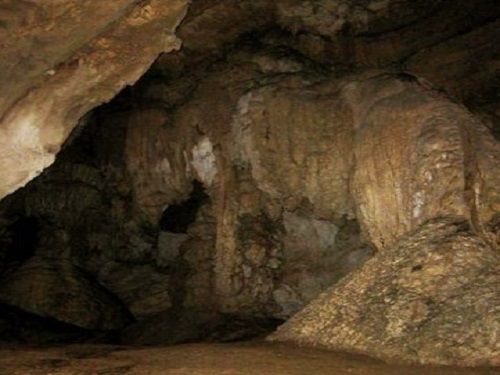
(71,49)
(57,289)
(425,192)
(61,60)
(238,358)
(432,298)
(263,162)
(452,64)
(141,288)
(410,157)
(376,33)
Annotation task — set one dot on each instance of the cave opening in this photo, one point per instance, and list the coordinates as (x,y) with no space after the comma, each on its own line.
(323,174)
(23,238)
(179,216)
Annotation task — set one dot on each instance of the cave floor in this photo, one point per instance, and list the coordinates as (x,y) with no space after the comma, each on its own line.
(255,357)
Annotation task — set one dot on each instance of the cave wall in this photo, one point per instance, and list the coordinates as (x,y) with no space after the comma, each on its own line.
(308,144)
(72,48)
(101,204)
(62,59)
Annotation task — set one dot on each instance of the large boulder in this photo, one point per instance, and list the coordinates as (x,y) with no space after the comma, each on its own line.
(433,298)
(426,191)
(57,289)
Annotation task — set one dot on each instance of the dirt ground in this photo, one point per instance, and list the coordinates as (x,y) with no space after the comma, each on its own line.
(256,357)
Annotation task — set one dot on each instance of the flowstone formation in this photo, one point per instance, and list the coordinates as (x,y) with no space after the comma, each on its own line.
(426,191)
(329,162)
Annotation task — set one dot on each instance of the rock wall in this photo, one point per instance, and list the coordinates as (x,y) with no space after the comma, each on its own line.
(102,206)
(289,148)
(50,50)
(424,187)
(62,59)
(432,298)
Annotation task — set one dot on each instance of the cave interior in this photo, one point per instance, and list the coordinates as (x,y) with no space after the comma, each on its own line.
(321,173)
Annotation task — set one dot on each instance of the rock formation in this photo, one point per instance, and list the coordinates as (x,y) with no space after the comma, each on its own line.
(432,298)
(329,162)
(74,298)
(62,59)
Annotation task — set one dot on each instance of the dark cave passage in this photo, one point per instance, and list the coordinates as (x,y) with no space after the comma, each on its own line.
(178,217)
(292,171)
(23,239)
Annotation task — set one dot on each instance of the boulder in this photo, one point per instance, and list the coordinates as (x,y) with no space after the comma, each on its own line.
(57,289)
(431,299)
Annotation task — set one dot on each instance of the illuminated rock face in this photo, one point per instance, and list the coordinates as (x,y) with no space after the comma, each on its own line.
(425,193)
(430,299)
(62,59)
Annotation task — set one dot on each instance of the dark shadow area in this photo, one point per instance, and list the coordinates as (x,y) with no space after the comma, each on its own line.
(24,233)
(20,327)
(178,217)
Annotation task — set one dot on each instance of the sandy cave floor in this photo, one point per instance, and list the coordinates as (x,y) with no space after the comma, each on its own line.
(204,359)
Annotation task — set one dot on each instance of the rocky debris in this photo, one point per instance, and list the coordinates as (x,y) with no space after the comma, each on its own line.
(56,289)
(431,298)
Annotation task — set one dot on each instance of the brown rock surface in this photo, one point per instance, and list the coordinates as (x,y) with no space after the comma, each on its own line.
(62,59)
(431,298)
(416,158)
(424,185)
(285,144)
(59,290)
(247,358)
(375,33)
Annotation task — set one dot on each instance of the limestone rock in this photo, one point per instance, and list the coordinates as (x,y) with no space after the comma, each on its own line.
(452,64)
(20,327)
(305,169)
(410,158)
(296,137)
(169,247)
(57,289)
(140,287)
(375,33)
(426,194)
(290,145)
(156,161)
(62,59)
(316,255)
(431,298)
(332,17)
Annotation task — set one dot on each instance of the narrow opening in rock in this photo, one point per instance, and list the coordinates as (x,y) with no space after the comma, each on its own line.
(178,217)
